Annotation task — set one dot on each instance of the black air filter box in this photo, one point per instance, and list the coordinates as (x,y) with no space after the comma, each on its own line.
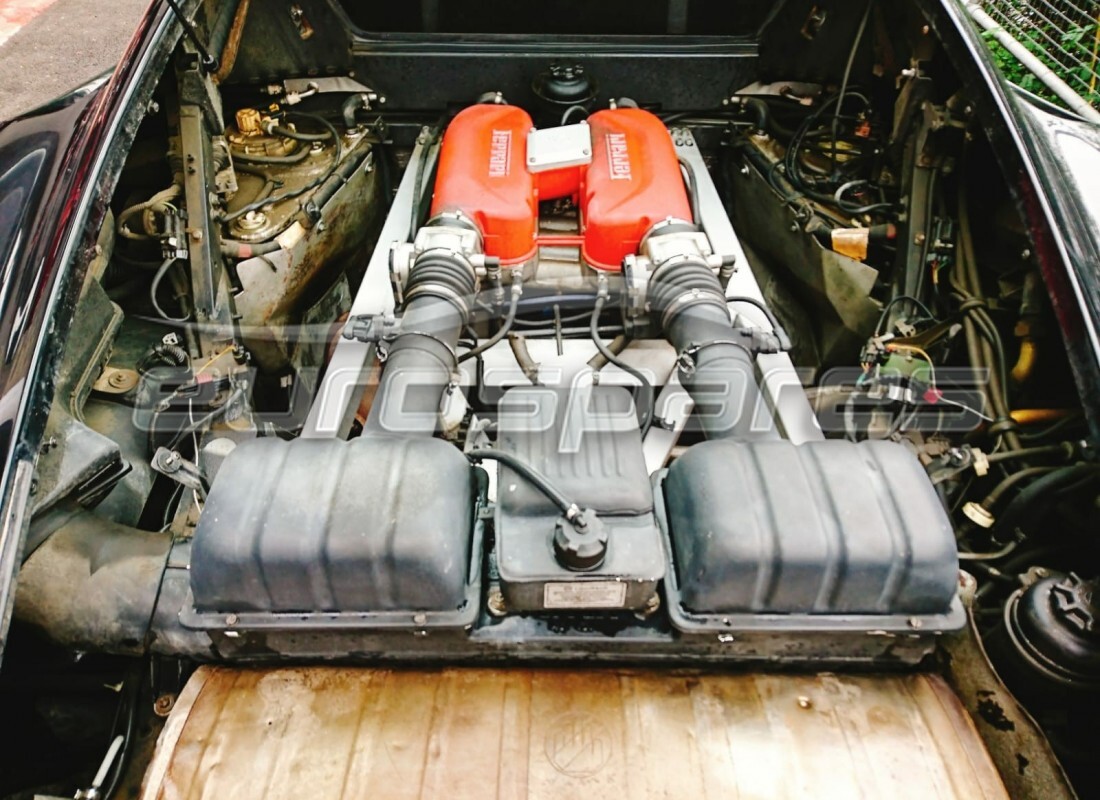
(380,523)
(830,530)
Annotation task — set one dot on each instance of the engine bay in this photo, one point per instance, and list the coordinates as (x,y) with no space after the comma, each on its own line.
(734,354)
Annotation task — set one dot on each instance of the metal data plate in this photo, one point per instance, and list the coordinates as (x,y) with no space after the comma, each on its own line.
(557,148)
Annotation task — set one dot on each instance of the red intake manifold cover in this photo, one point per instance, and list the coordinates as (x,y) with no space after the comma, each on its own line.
(633,182)
(483,174)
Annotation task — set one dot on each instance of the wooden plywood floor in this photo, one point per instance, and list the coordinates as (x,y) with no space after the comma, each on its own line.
(330,732)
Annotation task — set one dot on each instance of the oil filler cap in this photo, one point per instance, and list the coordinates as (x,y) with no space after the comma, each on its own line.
(582,544)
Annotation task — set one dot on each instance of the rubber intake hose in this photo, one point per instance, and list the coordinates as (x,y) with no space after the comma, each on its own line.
(715,369)
(92,584)
(422,359)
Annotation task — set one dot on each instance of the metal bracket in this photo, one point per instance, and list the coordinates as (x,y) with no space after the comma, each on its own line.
(173,465)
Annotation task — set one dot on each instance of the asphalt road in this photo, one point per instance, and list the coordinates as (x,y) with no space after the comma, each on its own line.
(67,44)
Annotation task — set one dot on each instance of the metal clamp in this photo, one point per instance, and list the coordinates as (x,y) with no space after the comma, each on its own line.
(685,359)
(754,341)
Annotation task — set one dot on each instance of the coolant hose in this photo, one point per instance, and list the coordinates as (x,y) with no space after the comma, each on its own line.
(421,361)
(714,367)
(645,419)
(505,326)
(1024,509)
(564,503)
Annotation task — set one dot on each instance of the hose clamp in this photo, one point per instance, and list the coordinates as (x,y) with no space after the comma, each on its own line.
(685,359)
(386,345)
(687,299)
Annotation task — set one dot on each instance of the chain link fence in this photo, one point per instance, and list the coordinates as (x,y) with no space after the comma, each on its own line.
(1063,34)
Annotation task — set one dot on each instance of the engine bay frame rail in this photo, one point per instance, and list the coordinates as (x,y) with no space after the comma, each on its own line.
(779,381)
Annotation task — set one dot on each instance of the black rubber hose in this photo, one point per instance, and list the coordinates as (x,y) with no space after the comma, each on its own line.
(418,179)
(422,359)
(269,185)
(1032,499)
(1062,450)
(692,188)
(529,474)
(617,345)
(504,328)
(991,499)
(357,102)
(715,369)
(645,409)
(763,308)
(764,120)
(298,136)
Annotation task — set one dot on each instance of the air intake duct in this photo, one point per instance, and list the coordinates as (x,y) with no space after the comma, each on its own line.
(715,367)
(421,360)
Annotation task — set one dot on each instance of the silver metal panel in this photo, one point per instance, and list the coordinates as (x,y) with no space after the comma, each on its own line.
(334,404)
(557,148)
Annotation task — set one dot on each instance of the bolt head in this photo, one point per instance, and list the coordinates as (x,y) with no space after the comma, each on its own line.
(164,704)
(496,604)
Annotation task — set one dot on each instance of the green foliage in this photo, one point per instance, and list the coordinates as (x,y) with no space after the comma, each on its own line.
(1077,70)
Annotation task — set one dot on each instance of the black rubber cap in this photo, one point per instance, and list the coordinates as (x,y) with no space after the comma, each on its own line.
(580,547)
(1055,625)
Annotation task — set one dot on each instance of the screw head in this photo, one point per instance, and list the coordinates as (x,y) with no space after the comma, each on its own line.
(164,704)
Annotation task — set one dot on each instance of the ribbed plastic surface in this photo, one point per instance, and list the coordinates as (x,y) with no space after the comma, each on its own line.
(585,439)
(378,523)
(821,528)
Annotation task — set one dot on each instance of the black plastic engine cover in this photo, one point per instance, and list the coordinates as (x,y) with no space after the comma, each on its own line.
(822,528)
(379,523)
(586,441)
